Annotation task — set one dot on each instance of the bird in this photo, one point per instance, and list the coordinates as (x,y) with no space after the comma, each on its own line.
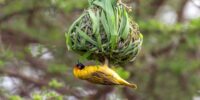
(100,74)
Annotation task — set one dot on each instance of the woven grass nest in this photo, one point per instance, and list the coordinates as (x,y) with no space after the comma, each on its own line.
(105,30)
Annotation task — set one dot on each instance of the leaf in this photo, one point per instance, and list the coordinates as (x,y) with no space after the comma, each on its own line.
(126,25)
(85,36)
(85,56)
(98,3)
(123,73)
(95,25)
(67,35)
(90,2)
(110,16)
(94,20)
(105,25)
(55,84)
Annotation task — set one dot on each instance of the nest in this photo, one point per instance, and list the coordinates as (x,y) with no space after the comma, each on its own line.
(105,30)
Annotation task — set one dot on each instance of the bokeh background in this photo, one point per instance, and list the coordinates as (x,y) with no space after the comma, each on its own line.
(35,63)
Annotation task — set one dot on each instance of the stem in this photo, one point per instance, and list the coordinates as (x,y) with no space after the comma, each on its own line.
(123,4)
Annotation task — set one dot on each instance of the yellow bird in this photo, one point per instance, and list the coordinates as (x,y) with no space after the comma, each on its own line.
(100,74)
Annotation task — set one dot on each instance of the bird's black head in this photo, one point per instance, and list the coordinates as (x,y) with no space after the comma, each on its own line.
(80,66)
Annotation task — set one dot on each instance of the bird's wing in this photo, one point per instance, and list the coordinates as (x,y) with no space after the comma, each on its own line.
(100,77)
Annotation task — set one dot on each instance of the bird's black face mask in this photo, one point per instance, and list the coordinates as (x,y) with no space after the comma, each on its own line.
(80,66)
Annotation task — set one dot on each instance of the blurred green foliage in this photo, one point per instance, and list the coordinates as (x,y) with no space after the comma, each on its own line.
(33,54)
(47,96)
(15,97)
(123,73)
(55,84)
(69,5)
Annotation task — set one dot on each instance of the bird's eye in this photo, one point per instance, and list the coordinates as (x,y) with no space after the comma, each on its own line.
(80,66)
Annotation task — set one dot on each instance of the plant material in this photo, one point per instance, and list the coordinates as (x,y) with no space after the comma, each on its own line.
(105,30)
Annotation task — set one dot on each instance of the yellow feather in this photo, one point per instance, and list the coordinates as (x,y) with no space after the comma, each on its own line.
(101,74)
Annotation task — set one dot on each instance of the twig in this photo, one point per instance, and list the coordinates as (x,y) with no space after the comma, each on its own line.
(127,7)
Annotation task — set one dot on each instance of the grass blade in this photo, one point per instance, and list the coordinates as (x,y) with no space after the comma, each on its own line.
(85,36)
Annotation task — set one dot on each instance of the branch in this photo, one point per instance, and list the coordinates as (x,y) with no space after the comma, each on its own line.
(21,12)
(15,37)
(151,85)
(137,7)
(129,94)
(38,83)
(155,5)
(35,62)
(181,10)
(168,48)
(183,80)
(101,93)
(13,73)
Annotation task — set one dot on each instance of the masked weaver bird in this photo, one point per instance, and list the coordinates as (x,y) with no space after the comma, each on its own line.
(100,74)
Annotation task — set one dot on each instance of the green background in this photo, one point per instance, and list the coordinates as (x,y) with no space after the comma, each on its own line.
(35,63)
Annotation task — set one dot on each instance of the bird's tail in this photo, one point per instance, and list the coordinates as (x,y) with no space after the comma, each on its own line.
(132,85)
(129,84)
